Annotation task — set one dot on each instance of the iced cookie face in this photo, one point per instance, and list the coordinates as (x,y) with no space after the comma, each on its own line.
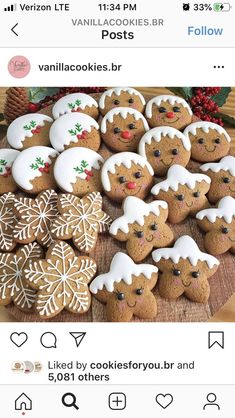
(76,103)
(75,130)
(7,157)
(126,174)
(209,141)
(121,97)
(184,270)
(33,169)
(29,130)
(126,289)
(168,111)
(122,129)
(77,171)
(163,147)
(219,225)
(184,192)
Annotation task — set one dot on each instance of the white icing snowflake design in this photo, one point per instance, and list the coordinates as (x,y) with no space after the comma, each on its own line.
(7,222)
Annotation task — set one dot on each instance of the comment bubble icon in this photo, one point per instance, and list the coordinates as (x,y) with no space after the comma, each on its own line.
(48,340)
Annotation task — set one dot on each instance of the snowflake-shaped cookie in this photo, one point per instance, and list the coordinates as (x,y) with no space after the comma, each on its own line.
(61,281)
(13,286)
(81,220)
(35,218)
(7,222)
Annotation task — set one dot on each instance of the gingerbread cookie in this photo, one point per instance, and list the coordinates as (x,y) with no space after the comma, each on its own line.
(29,130)
(121,97)
(77,171)
(222,175)
(219,225)
(33,169)
(7,157)
(142,226)
(61,281)
(75,130)
(126,174)
(81,220)
(184,270)
(209,141)
(7,222)
(163,147)
(183,191)
(167,110)
(13,286)
(126,289)
(76,102)
(122,128)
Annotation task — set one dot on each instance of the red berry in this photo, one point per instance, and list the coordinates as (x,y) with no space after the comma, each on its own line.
(47,165)
(46,170)
(33,107)
(41,169)
(79,136)
(78,109)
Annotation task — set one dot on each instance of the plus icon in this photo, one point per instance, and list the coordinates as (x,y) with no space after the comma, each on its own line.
(117,401)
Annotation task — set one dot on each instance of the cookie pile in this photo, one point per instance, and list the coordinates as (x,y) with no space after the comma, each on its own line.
(48,230)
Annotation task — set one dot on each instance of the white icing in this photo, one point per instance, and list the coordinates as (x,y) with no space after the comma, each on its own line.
(16,133)
(64,169)
(166,98)
(157,134)
(205,126)
(117,91)
(121,158)
(21,169)
(179,176)
(124,112)
(227,164)
(7,155)
(123,268)
(59,132)
(62,106)
(225,209)
(186,248)
(135,210)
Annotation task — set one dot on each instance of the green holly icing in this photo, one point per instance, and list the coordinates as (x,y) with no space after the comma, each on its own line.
(37,164)
(77,130)
(74,106)
(3,164)
(33,127)
(81,169)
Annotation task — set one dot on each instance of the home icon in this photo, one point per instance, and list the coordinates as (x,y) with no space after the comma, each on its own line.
(23,403)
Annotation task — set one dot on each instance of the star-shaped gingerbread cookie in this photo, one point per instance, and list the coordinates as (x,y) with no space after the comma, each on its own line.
(7,222)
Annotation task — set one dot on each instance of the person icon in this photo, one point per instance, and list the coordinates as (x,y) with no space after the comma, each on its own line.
(211,399)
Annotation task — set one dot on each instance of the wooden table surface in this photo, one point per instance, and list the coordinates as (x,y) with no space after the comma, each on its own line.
(222,286)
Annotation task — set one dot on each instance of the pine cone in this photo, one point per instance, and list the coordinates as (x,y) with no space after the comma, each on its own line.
(16,104)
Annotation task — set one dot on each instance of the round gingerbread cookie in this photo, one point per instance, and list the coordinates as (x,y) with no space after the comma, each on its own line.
(163,147)
(75,130)
(126,174)
(168,110)
(122,128)
(121,97)
(76,102)
(7,157)
(29,130)
(209,141)
(77,171)
(33,169)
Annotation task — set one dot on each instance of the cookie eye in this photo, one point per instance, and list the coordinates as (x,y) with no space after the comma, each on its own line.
(175,151)
(117,130)
(226,180)
(138,175)
(176,109)
(217,141)
(180,197)
(162,109)
(196,194)
(154,227)
(131,100)
(224,230)
(176,272)
(140,291)
(122,179)
(120,296)
(201,141)
(195,274)
(116,102)
(139,234)
(157,153)
(131,126)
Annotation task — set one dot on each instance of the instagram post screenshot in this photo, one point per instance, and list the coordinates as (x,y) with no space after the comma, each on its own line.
(117,209)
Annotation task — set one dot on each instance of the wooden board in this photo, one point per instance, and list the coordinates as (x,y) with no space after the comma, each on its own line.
(222,283)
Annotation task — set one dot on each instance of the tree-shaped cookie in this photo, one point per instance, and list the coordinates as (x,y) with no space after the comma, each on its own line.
(7,222)
(81,220)
(126,289)
(61,281)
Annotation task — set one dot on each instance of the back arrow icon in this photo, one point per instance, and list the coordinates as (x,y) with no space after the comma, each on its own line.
(12,29)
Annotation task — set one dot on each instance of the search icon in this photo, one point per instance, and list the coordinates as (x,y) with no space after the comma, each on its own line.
(69,400)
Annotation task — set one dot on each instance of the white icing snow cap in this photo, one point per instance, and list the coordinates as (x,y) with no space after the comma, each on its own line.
(121,158)
(225,209)
(157,134)
(67,103)
(72,163)
(186,248)
(59,133)
(227,164)
(179,176)
(123,268)
(205,126)
(165,98)
(8,156)
(117,91)
(21,128)
(123,112)
(135,210)
(22,170)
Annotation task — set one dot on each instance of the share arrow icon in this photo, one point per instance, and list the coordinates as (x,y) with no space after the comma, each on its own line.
(78,336)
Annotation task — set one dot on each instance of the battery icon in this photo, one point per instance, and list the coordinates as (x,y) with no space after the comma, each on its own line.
(222,7)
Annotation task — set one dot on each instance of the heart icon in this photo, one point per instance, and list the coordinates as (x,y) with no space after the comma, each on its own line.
(19,339)
(164,400)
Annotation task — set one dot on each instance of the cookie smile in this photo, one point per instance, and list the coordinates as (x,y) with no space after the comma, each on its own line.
(186,285)
(231,190)
(132,194)
(189,206)
(126,141)
(131,306)
(209,150)
(150,239)
(167,120)
(163,162)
